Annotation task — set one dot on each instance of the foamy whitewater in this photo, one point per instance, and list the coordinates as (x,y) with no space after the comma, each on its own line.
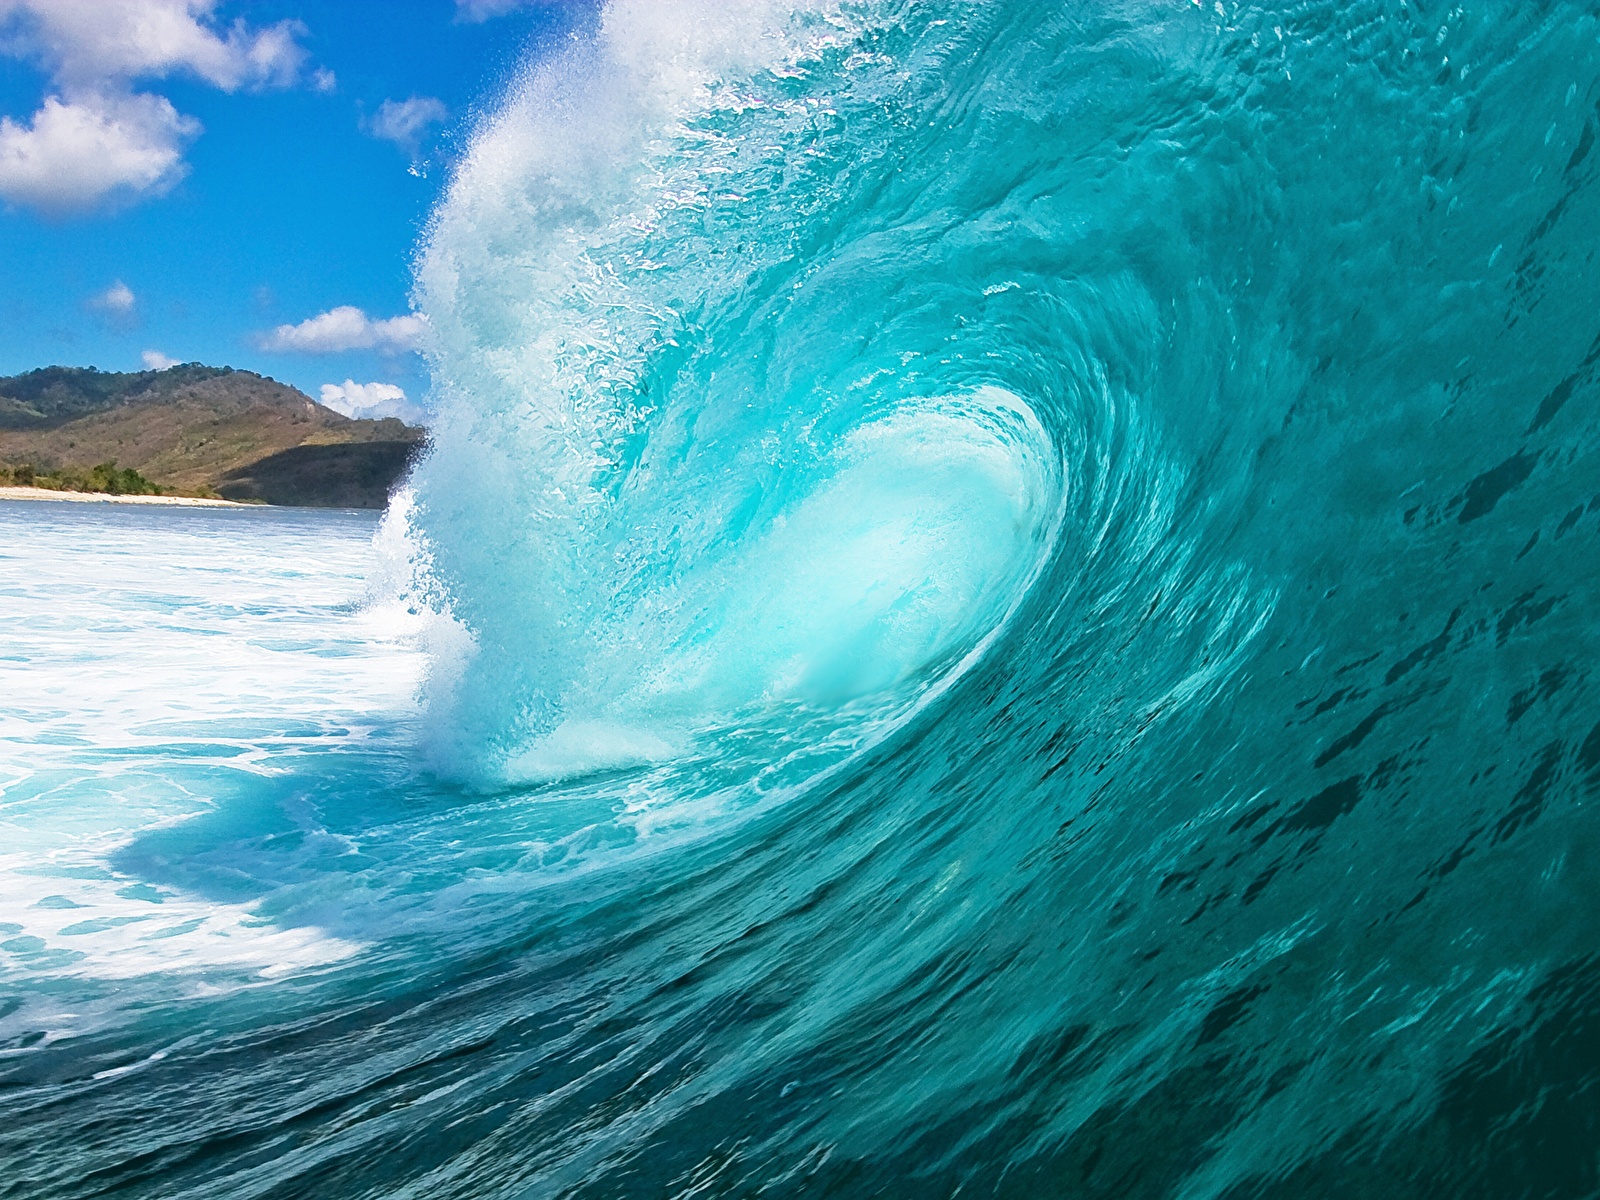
(1001,603)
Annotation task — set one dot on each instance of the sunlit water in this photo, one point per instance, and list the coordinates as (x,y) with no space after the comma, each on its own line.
(1002,603)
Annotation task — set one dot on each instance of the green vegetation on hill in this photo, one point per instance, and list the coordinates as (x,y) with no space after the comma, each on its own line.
(103,477)
(53,396)
(195,430)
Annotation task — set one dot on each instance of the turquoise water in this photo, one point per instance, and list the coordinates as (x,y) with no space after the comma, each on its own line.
(1001,604)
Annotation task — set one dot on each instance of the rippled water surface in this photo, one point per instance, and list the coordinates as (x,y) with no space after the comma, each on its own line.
(1002,602)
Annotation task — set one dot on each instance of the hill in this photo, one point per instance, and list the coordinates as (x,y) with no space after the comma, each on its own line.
(197,430)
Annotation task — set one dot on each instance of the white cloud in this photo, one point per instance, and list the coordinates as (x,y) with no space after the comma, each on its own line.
(94,137)
(74,155)
(118,298)
(346,328)
(406,122)
(154,360)
(324,80)
(117,306)
(482,10)
(87,43)
(368,400)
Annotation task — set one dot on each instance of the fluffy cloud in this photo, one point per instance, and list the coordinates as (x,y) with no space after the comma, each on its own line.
(368,400)
(73,155)
(95,137)
(154,360)
(116,307)
(406,122)
(87,43)
(118,298)
(346,328)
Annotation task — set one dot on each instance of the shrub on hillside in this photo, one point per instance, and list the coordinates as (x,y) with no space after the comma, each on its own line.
(106,477)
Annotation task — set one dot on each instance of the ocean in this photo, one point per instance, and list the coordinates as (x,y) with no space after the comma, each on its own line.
(1001,602)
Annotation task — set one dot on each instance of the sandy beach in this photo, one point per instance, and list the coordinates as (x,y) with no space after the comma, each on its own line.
(33,493)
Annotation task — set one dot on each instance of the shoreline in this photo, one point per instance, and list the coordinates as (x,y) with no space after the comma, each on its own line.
(9,492)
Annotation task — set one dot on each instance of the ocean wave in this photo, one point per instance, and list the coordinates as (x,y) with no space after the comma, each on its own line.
(1009,588)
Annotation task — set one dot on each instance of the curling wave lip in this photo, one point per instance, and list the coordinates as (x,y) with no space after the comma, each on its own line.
(898,556)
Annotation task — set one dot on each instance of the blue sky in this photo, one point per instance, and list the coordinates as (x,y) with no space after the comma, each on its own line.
(184,178)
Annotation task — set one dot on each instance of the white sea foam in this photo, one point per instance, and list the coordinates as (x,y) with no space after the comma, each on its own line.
(156,667)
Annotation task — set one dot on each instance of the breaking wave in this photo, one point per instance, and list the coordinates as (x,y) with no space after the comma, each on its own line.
(1013,594)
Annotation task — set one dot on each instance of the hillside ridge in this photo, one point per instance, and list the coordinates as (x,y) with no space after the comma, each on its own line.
(197,430)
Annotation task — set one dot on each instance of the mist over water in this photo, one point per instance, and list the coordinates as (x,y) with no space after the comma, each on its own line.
(1002,602)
